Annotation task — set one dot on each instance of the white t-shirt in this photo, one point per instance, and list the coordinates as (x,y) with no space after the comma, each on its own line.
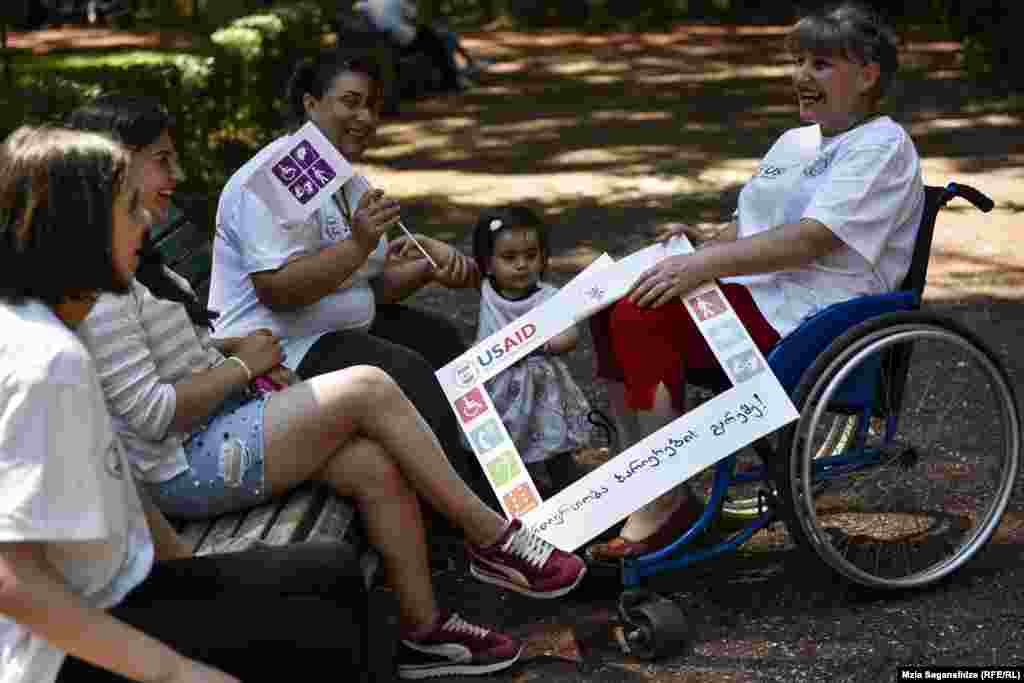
(864,185)
(250,240)
(64,479)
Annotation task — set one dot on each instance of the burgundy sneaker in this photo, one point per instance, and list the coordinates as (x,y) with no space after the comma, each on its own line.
(457,647)
(524,562)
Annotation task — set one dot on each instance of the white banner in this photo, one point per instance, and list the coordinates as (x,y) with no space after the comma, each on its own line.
(756,406)
(300,178)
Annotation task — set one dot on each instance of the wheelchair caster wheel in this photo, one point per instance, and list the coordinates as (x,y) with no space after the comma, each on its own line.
(654,626)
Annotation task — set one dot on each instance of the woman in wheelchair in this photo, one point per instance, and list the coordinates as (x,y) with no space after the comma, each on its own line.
(830,214)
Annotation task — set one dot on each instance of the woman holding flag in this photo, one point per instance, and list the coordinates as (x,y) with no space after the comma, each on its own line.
(330,286)
(202,444)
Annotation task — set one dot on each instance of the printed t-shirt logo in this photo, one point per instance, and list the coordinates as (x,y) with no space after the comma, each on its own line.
(819,165)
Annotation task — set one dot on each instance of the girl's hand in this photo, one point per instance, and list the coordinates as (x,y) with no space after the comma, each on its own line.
(260,351)
(670,279)
(373,217)
(458,271)
(454,270)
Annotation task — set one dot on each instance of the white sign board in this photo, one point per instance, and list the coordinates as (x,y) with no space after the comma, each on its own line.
(756,406)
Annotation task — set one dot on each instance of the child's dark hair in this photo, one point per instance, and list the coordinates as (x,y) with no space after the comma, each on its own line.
(138,121)
(314,77)
(495,221)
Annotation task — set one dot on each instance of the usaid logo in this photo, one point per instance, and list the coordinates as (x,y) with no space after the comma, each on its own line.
(508,345)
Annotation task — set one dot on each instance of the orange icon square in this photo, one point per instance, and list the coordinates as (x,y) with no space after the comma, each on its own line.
(520,500)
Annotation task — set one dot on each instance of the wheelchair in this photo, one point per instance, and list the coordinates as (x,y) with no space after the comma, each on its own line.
(899,468)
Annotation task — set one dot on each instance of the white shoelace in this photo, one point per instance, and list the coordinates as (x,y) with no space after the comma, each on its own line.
(457,624)
(531,547)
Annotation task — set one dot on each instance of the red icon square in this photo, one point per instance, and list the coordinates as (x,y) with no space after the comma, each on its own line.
(471,406)
(520,500)
(707,305)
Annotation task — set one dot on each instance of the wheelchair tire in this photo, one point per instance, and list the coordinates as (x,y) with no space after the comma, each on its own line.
(656,626)
(924,507)
(745,502)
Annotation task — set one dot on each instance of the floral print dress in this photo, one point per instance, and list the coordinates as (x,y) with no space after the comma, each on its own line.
(544,410)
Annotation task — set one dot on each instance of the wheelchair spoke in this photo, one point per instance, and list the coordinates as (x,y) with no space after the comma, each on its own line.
(904,507)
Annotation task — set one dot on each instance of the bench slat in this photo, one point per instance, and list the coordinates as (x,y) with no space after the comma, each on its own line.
(334,519)
(221,533)
(259,520)
(193,533)
(295,516)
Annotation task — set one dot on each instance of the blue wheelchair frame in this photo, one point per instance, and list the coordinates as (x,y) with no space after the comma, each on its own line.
(859,395)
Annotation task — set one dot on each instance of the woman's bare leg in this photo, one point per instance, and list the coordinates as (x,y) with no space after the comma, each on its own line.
(361,470)
(648,519)
(305,425)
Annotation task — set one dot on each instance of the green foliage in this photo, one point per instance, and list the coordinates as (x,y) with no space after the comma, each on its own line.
(988,29)
(227,99)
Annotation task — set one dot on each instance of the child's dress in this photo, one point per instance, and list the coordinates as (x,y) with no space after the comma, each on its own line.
(543,409)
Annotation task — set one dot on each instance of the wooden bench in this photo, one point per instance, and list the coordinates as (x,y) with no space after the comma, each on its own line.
(309,513)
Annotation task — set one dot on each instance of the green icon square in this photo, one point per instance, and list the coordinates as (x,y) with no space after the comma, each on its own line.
(503,469)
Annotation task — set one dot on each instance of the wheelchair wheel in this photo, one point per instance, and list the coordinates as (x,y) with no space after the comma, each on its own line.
(746,501)
(923,486)
(657,627)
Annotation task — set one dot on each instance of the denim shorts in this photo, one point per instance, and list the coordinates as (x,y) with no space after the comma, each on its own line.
(225,459)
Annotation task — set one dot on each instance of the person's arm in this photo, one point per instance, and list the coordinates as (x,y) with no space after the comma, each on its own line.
(166,541)
(307,279)
(200,394)
(408,270)
(400,280)
(133,387)
(32,594)
(786,247)
(226,345)
(563,342)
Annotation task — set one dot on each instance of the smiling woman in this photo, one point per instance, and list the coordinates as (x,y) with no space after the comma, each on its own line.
(145,128)
(330,286)
(830,214)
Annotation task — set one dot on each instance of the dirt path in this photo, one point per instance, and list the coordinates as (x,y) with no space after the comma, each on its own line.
(612,134)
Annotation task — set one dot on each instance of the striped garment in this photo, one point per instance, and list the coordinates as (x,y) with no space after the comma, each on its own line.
(141,346)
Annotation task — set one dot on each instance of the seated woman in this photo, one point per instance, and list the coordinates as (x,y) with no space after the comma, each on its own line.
(77,541)
(831,214)
(202,445)
(330,287)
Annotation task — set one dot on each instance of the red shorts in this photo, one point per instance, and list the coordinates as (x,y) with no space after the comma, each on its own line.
(645,347)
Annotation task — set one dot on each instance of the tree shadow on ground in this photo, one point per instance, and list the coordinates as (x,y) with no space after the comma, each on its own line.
(685,102)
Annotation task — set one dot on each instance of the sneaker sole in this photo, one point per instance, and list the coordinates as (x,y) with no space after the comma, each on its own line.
(497,580)
(458,669)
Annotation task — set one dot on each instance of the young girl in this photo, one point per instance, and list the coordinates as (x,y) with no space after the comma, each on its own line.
(543,409)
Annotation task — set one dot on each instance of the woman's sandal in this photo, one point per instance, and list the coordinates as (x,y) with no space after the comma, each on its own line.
(619,548)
